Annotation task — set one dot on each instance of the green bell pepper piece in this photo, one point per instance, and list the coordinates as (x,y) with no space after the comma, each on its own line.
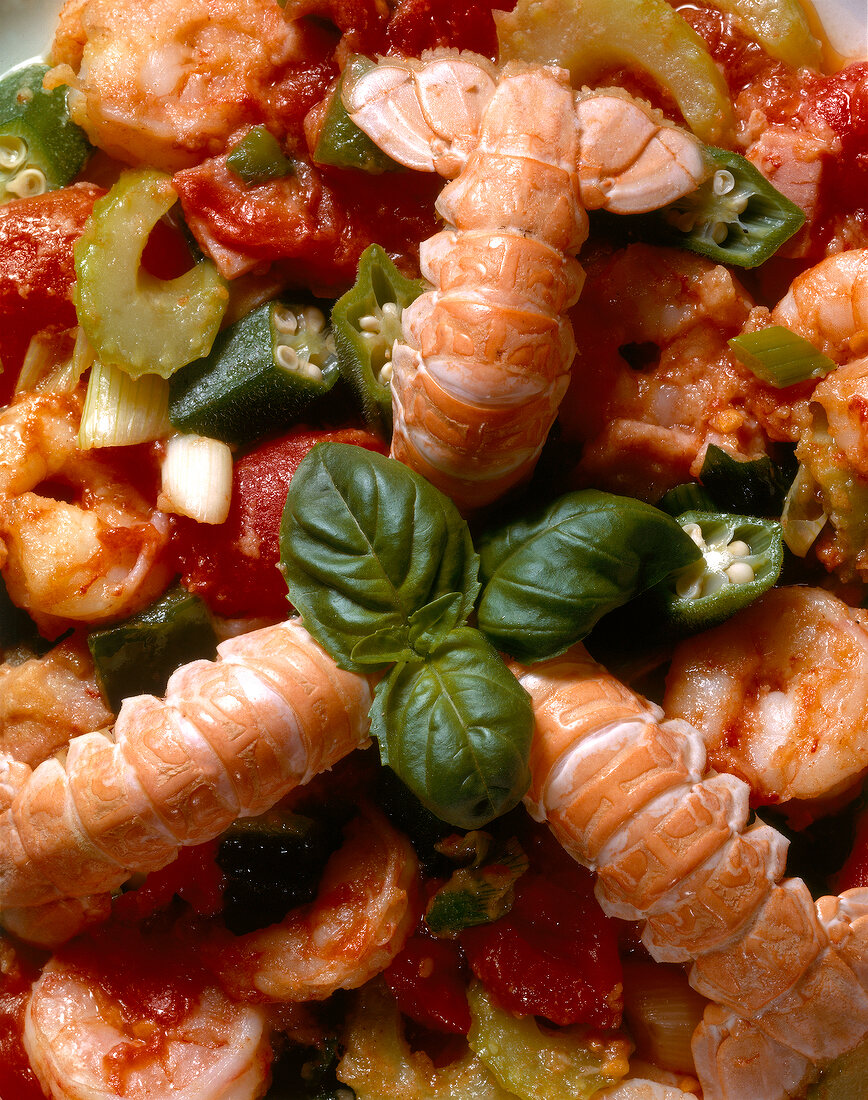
(137,656)
(341,143)
(258,377)
(734,217)
(742,557)
(41,149)
(258,157)
(756,486)
(133,320)
(366,321)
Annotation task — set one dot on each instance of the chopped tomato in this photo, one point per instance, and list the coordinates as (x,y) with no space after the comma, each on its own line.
(194,876)
(555,954)
(233,566)
(17,1080)
(418,25)
(428,980)
(166,255)
(854,873)
(37,270)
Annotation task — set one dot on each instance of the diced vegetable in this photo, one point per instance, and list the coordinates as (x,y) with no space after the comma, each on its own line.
(259,375)
(134,321)
(781,27)
(543,1065)
(258,157)
(689,497)
(734,217)
(137,656)
(756,486)
(662,1012)
(41,149)
(593,37)
(341,143)
(366,323)
(307,1073)
(742,557)
(845,1078)
(197,478)
(16,626)
(481,891)
(428,979)
(120,411)
(780,357)
(803,517)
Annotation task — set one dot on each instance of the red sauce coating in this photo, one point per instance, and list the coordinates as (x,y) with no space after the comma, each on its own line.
(17,1080)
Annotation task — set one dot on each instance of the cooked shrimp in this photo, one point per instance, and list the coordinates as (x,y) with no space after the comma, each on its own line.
(364,911)
(100,1026)
(654,380)
(45,701)
(57,922)
(631,797)
(231,738)
(95,557)
(780,694)
(166,85)
(485,357)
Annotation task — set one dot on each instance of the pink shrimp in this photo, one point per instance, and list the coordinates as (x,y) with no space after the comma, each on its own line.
(486,355)
(230,739)
(629,795)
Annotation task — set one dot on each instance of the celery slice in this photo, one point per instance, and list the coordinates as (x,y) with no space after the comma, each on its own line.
(135,321)
(781,28)
(780,357)
(572,1061)
(120,411)
(591,37)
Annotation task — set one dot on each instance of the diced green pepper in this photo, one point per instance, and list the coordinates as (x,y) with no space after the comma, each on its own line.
(756,486)
(742,557)
(532,1064)
(366,322)
(734,217)
(258,157)
(258,377)
(41,149)
(16,626)
(137,656)
(133,320)
(480,892)
(341,143)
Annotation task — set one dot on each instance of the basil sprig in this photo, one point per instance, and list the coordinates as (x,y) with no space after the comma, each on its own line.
(550,578)
(382,568)
(379,564)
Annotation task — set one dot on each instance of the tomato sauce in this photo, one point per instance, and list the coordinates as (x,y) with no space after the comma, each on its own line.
(17,1080)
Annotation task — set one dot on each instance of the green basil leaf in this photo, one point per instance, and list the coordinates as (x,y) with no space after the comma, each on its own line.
(550,578)
(456,729)
(366,543)
(431,623)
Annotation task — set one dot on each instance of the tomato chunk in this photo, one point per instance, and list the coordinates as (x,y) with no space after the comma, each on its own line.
(37,270)
(16,1077)
(194,876)
(418,25)
(428,980)
(233,566)
(555,954)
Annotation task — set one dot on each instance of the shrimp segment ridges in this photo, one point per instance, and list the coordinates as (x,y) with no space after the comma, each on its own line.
(486,355)
(630,796)
(231,738)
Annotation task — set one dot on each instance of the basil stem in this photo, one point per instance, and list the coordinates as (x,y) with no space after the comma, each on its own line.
(378,562)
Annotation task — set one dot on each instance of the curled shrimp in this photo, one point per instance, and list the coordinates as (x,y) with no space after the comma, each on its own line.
(485,357)
(91,558)
(99,1025)
(159,83)
(231,738)
(780,694)
(654,385)
(630,795)
(364,911)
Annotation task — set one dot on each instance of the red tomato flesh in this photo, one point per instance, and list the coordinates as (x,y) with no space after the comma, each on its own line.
(428,980)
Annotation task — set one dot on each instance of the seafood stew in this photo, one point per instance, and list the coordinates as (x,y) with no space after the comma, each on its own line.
(433,524)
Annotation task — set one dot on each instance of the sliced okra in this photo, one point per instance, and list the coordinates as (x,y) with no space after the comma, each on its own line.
(261,373)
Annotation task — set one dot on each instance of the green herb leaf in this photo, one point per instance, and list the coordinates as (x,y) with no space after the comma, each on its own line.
(365,545)
(456,729)
(552,577)
(481,892)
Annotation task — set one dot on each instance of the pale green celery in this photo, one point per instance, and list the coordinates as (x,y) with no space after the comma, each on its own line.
(120,411)
(135,321)
(780,26)
(803,517)
(533,1064)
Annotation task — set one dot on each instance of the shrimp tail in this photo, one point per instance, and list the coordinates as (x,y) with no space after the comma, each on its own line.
(231,738)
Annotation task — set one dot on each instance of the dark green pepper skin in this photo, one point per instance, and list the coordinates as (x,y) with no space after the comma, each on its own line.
(258,158)
(380,292)
(686,614)
(137,656)
(240,390)
(759,219)
(56,147)
(341,143)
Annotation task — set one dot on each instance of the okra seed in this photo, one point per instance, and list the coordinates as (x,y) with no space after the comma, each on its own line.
(13,153)
(390,310)
(740,573)
(286,356)
(385,375)
(723,182)
(369,323)
(695,533)
(314,319)
(719,232)
(285,321)
(739,549)
(713,583)
(27,183)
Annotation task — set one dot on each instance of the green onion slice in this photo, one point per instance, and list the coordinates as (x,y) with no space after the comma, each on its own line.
(780,357)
